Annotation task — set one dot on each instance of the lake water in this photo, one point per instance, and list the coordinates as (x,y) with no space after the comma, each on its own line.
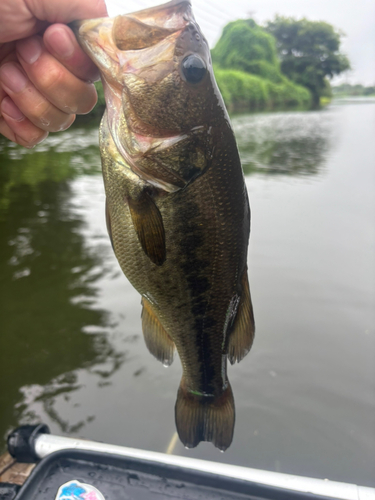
(71,348)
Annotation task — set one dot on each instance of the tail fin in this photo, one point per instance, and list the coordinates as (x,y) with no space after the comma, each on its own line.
(205,418)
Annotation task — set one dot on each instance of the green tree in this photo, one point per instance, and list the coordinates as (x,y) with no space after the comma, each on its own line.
(309,52)
(247,70)
(245,46)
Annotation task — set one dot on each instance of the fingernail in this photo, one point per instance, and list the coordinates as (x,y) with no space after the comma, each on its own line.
(9,108)
(61,42)
(29,49)
(37,140)
(13,78)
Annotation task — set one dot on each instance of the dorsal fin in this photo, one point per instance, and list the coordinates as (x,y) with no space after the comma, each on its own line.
(242,332)
(157,339)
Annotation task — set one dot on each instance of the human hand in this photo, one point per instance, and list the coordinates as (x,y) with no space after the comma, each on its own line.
(45,77)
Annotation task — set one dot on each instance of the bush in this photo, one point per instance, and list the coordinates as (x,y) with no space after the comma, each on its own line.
(248,71)
(245,46)
(242,91)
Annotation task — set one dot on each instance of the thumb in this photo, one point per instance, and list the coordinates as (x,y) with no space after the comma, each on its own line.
(23,18)
(65,11)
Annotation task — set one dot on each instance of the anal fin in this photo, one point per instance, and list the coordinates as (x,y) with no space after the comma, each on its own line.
(148,224)
(242,332)
(157,339)
(205,418)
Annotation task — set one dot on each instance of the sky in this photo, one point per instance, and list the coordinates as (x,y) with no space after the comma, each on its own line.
(355,18)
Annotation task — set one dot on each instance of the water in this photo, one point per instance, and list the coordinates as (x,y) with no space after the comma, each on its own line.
(71,348)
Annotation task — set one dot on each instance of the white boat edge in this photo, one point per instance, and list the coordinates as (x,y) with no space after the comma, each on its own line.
(45,444)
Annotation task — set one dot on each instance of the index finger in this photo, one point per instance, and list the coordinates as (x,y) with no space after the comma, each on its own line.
(60,41)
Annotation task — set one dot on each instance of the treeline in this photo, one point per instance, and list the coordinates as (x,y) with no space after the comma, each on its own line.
(348,90)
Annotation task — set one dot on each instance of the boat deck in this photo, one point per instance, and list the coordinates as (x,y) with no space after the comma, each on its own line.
(118,472)
(13,472)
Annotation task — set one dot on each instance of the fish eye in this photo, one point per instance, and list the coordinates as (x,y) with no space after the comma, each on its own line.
(193,69)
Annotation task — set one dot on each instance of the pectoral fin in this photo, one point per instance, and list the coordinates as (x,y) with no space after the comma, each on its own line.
(242,333)
(149,227)
(157,339)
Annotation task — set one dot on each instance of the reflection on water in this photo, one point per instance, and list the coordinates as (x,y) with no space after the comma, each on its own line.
(60,158)
(71,348)
(283,143)
(48,278)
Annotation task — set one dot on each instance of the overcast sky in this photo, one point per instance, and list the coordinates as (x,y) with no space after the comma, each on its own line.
(356,18)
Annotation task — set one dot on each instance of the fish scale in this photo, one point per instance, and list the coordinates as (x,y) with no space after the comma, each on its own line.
(177,208)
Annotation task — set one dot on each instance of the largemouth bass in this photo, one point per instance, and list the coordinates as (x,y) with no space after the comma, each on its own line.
(177,209)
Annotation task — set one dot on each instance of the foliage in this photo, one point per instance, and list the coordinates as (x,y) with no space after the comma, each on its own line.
(100,91)
(242,91)
(309,52)
(248,72)
(346,89)
(245,46)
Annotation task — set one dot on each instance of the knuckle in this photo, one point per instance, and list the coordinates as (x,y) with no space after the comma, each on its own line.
(38,114)
(51,79)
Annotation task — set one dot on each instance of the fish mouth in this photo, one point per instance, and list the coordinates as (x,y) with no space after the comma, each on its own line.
(136,46)
(131,32)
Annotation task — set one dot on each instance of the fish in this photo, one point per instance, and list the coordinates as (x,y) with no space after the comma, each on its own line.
(177,208)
